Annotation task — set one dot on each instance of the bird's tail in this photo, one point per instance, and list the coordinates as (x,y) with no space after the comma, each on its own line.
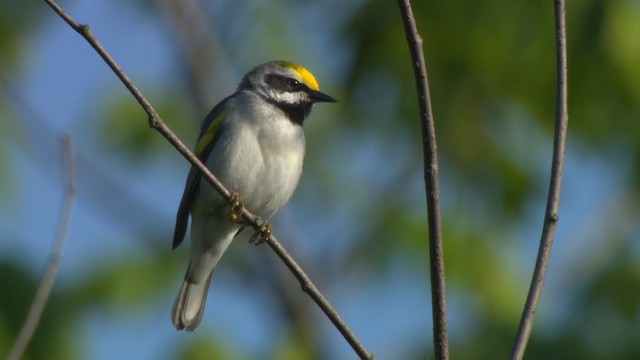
(210,238)
(189,305)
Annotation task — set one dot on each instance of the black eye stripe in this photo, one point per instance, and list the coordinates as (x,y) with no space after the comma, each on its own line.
(284,83)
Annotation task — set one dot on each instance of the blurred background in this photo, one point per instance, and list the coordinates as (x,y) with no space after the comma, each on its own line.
(357,222)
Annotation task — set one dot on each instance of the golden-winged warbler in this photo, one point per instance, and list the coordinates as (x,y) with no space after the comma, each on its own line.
(254,144)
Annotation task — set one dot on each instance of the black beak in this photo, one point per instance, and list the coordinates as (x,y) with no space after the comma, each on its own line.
(318,96)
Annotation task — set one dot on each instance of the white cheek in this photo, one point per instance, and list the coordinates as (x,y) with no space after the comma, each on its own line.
(289,98)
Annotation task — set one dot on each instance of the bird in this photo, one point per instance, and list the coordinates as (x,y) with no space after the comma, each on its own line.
(253,142)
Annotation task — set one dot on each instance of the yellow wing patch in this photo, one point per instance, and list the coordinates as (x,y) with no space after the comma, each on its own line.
(304,74)
(207,137)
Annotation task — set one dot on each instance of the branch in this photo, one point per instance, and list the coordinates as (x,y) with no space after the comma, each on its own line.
(49,276)
(254,221)
(429,148)
(551,213)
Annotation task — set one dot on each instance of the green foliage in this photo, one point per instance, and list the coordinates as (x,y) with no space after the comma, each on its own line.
(128,282)
(124,131)
(204,348)
(6,129)
(292,347)
(54,335)
(17,18)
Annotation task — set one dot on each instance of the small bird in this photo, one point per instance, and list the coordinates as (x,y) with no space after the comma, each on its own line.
(253,142)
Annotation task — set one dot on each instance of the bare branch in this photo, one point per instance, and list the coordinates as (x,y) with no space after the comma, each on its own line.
(253,220)
(553,199)
(438,302)
(49,276)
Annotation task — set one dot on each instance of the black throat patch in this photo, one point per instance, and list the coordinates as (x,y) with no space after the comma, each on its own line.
(297,113)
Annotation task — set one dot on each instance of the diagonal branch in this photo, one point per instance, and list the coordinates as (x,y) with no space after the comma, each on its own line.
(254,221)
(438,302)
(49,276)
(553,199)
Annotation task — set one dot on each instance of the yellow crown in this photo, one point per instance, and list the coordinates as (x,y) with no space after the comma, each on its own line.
(304,74)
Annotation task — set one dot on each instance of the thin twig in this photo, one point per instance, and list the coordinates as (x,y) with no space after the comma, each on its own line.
(254,221)
(429,147)
(553,199)
(46,283)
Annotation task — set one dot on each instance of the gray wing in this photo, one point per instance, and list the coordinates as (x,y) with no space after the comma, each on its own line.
(209,134)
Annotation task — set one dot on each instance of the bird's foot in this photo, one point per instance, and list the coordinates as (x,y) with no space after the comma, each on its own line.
(262,234)
(236,206)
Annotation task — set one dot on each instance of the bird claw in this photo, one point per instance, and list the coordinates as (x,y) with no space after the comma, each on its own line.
(262,234)
(236,206)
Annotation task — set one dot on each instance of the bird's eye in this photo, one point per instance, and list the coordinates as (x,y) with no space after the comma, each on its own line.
(293,84)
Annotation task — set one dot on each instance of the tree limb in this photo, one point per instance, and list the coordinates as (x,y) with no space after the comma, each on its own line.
(254,221)
(46,283)
(553,199)
(430,155)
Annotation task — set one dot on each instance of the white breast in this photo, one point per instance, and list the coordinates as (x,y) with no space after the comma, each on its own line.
(259,155)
